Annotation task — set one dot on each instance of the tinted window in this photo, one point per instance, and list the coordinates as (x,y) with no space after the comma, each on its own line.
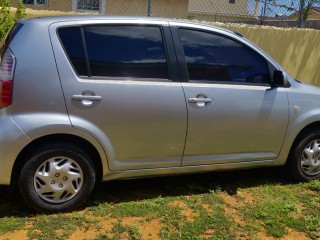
(211,57)
(73,45)
(126,51)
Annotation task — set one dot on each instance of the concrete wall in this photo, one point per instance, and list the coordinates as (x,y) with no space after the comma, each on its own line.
(127,7)
(160,8)
(170,8)
(221,18)
(215,7)
(296,50)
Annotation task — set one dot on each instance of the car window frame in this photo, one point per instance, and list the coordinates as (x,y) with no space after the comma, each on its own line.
(183,68)
(167,44)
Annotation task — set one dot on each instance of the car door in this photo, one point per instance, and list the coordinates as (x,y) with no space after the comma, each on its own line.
(117,82)
(234,115)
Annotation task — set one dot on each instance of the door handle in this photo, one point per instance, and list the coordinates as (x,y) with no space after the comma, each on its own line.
(200,100)
(86,98)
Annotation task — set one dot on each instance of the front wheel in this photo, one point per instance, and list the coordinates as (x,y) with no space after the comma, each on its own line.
(57,178)
(304,162)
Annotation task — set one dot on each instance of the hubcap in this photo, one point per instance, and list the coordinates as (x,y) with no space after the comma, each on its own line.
(58,180)
(310,159)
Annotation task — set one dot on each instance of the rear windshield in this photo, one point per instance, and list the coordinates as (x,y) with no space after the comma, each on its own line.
(12,33)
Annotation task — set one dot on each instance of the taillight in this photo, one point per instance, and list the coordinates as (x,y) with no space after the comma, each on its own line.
(6,79)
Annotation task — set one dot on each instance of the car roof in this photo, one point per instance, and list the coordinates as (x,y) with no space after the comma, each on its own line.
(54,19)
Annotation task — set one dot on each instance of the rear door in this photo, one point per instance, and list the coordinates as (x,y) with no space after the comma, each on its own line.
(118,82)
(234,115)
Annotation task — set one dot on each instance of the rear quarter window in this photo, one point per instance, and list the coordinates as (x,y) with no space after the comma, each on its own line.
(71,38)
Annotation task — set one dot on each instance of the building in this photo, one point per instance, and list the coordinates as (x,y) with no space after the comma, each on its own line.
(224,10)
(313,14)
(160,8)
(211,10)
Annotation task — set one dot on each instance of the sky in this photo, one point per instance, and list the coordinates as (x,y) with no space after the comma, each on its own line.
(272,10)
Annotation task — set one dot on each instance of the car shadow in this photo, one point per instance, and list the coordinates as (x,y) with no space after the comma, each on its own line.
(229,182)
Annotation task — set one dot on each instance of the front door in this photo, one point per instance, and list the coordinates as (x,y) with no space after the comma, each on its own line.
(234,115)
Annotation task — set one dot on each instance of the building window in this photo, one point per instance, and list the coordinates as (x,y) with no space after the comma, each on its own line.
(35,2)
(232,1)
(88,5)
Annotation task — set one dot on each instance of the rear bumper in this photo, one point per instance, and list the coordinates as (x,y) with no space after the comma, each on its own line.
(12,141)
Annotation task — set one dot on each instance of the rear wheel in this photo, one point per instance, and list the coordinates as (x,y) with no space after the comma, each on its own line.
(304,162)
(57,178)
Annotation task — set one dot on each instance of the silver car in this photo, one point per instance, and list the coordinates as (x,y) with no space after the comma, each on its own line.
(86,99)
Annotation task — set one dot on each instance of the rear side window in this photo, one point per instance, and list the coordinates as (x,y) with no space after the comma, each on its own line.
(215,58)
(116,51)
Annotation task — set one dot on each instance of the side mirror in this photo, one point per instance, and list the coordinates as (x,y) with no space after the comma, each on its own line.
(278,79)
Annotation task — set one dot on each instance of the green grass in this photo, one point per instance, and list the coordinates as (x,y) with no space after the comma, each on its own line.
(59,226)
(8,224)
(230,205)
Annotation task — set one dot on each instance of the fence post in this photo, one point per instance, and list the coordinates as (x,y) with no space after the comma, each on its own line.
(149,8)
(103,7)
(264,12)
(301,7)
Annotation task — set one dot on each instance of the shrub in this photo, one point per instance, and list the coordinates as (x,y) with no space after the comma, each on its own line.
(6,20)
(21,11)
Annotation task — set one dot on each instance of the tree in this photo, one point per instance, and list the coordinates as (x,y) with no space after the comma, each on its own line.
(21,11)
(6,20)
(306,6)
(302,6)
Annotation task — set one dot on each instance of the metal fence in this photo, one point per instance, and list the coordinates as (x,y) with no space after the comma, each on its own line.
(282,13)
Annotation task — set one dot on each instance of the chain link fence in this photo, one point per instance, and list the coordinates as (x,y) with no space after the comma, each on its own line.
(281,13)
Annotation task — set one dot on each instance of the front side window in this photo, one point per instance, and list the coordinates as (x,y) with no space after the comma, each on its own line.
(35,2)
(126,51)
(88,5)
(214,58)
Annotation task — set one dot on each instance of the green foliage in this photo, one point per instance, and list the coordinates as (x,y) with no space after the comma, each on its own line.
(263,205)
(313,185)
(58,226)
(119,231)
(8,224)
(292,6)
(6,20)
(21,11)
(307,6)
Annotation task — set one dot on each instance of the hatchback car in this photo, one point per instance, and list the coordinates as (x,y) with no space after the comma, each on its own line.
(86,99)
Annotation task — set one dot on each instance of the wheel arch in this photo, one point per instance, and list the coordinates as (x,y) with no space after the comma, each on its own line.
(309,127)
(63,138)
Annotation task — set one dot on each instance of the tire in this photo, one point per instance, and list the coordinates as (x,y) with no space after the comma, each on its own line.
(304,160)
(57,178)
